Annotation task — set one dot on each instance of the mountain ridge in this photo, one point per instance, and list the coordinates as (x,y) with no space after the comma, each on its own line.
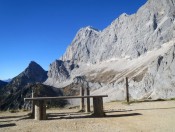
(116,41)
(12,94)
(131,41)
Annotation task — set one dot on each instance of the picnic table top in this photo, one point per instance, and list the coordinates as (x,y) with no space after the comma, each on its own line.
(63,97)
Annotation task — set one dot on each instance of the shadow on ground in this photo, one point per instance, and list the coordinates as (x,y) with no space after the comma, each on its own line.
(114,113)
(7,125)
(109,114)
(15,118)
(57,116)
(7,117)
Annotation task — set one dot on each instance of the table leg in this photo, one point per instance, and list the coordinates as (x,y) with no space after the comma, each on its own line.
(40,110)
(98,107)
(82,106)
(88,105)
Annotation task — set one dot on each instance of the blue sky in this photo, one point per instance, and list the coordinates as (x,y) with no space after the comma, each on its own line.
(41,30)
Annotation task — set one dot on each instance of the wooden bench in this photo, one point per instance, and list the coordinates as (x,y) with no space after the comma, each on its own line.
(40,105)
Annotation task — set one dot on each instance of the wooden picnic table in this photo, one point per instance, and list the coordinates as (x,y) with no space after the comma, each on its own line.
(40,105)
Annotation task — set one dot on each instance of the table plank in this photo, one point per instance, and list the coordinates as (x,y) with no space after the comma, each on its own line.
(63,97)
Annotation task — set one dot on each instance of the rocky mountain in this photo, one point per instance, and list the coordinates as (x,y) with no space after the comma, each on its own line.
(128,35)
(2,83)
(139,46)
(13,94)
(34,73)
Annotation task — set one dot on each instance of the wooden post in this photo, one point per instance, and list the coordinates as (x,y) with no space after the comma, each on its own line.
(40,110)
(98,107)
(127,90)
(43,110)
(33,105)
(87,100)
(82,99)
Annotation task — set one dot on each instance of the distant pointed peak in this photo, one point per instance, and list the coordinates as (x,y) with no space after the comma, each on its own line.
(7,80)
(34,72)
(33,63)
(2,81)
(34,66)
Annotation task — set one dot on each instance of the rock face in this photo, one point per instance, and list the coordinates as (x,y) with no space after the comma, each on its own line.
(139,46)
(61,70)
(158,80)
(128,35)
(162,72)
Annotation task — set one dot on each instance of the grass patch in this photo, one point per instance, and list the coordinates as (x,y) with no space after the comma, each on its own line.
(160,100)
(73,107)
(13,111)
(172,99)
(24,110)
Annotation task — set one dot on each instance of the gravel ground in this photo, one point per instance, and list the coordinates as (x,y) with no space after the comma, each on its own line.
(136,117)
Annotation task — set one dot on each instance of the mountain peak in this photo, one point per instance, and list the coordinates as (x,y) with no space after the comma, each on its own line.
(7,80)
(32,74)
(88,29)
(33,63)
(91,28)
(33,66)
(34,70)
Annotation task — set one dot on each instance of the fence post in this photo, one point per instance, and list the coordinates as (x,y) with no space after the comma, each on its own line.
(127,90)
(87,100)
(82,99)
(33,105)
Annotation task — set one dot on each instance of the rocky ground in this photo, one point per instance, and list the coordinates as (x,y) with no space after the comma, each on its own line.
(145,116)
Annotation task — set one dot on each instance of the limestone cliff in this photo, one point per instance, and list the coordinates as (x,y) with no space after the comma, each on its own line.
(139,46)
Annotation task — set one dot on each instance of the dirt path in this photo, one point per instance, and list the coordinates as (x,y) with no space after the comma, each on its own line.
(137,117)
